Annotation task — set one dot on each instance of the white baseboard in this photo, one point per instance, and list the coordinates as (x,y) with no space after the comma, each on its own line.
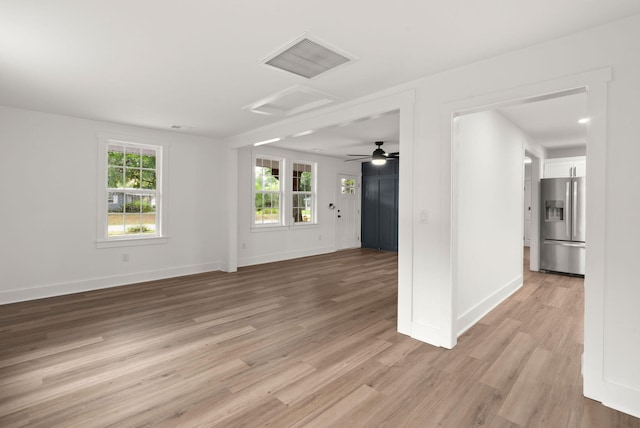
(427,334)
(59,289)
(473,315)
(622,398)
(277,257)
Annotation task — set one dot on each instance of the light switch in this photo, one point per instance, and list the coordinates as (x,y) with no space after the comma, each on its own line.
(424,217)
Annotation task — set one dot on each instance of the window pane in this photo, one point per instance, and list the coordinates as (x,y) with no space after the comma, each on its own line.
(115,202)
(115,155)
(301,177)
(348,186)
(267,186)
(268,208)
(274,183)
(266,179)
(132,157)
(132,178)
(148,223)
(306,209)
(147,218)
(115,217)
(149,159)
(305,182)
(259,201)
(148,179)
(302,208)
(115,180)
(271,182)
(139,215)
(133,204)
(295,204)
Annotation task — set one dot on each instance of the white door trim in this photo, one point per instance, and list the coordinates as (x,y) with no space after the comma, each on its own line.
(595,82)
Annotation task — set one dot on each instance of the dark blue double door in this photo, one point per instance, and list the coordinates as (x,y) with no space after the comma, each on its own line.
(380,206)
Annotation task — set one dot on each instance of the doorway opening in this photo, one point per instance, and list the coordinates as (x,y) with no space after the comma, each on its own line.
(496,208)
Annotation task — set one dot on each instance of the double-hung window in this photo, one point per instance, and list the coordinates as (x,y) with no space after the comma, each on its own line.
(284,192)
(267,191)
(303,193)
(131,202)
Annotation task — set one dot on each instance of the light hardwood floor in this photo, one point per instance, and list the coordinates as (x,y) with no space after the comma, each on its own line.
(309,342)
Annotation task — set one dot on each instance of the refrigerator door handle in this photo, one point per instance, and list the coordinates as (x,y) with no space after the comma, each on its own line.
(565,243)
(567,200)
(574,209)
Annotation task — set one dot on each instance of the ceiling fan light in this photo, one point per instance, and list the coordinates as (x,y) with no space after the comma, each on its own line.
(378,156)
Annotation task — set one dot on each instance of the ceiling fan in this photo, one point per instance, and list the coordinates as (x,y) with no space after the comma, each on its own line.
(378,157)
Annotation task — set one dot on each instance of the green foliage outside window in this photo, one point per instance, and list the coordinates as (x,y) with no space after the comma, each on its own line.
(131,170)
(267,191)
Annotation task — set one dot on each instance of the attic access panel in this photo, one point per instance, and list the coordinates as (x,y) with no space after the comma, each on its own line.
(293,100)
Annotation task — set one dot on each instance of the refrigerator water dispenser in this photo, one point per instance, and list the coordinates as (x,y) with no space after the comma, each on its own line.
(554,211)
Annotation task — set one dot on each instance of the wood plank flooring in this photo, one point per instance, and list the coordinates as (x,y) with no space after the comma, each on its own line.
(308,342)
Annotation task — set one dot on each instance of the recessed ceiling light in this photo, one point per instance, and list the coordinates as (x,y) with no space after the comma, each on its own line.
(273,140)
(176,126)
(584,120)
(315,149)
(303,133)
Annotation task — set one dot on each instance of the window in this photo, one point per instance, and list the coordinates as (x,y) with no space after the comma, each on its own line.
(284,192)
(129,208)
(348,186)
(132,190)
(302,194)
(267,192)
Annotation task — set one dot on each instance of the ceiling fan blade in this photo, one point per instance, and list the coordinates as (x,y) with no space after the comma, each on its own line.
(393,155)
(357,159)
(359,155)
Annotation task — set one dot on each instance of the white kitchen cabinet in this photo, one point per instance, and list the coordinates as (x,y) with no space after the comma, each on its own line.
(565,167)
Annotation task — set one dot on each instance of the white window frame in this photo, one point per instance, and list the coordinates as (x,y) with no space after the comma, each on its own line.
(312,193)
(281,191)
(160,236)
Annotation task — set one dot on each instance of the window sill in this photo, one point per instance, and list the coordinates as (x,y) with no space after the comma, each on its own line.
(131,242)
(260,229)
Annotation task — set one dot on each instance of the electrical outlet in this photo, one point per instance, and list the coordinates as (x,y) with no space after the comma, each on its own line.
(244,245)
(319,237)
(125,257)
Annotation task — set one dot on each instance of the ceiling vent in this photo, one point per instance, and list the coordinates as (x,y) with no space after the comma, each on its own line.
(293,100)
(306,58)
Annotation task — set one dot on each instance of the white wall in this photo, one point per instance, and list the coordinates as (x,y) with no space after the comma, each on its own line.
(489,213)
(48,174)
(262,245)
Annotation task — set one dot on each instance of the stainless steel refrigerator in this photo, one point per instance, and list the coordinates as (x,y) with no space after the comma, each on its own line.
(563,225)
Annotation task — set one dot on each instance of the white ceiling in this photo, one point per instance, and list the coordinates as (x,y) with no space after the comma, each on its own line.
(197,63)
(552,123)
(357,137)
